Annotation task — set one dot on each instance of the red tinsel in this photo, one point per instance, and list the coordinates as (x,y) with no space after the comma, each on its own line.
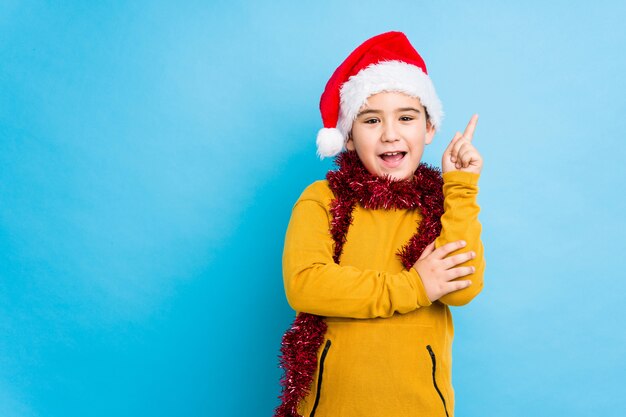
(352,184)
(299,360)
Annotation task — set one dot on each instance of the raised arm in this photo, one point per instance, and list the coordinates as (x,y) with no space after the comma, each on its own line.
(460,222)
(315,284)
(461,165)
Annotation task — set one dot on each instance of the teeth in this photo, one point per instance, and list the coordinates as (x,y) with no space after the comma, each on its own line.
(392,153)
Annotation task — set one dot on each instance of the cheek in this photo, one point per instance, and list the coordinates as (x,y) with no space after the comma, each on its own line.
(419,137)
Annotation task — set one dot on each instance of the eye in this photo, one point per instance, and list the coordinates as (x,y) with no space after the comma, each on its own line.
(371,121)
(406,118)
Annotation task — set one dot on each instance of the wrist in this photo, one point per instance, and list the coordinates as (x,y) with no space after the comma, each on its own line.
(422,296)
(465,177)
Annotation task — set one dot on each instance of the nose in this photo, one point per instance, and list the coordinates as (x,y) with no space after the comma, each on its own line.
(390,133)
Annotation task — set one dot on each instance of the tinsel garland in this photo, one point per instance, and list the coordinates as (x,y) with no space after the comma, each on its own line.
(352,184)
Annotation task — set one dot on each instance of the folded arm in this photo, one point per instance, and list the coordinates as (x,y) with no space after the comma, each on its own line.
(315,284)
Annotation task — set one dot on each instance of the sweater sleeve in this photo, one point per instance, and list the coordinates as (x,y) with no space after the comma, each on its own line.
(315,284)
(460,222)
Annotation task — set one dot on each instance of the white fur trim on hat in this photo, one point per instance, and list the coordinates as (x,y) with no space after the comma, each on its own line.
(330,142)
(387,76)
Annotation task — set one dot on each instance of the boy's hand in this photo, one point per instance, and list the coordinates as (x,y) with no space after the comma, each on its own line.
(461,155)
(438,272)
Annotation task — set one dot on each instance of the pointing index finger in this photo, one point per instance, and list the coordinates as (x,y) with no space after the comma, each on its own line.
(471,126)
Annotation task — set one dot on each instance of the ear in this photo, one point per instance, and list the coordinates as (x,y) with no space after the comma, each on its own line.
(430,132)
(350,142)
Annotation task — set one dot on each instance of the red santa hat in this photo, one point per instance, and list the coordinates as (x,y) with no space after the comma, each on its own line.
(387,62)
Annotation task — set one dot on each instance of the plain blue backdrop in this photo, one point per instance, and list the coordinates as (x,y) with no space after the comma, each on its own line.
(150,153)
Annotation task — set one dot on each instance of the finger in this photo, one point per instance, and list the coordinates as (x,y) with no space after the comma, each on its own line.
(471,127)
(466,137)
(458,147)
(427,250)
(466,158)
(456,285)
(454,140)
(443,251)
(459,272)
(461,146)
(455,260)
(469,156)
(472,160)
(467,147)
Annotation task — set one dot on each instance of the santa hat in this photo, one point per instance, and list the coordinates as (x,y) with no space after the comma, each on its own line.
(387,62)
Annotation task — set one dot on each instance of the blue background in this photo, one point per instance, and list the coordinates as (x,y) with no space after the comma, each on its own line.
(150,153)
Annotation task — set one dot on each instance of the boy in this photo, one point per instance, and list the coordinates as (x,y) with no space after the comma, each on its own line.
(375,254)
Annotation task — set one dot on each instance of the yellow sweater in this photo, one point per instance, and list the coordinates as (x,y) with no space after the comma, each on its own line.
(388,348)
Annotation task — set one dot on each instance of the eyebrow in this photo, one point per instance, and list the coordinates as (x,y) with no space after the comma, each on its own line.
(401,109)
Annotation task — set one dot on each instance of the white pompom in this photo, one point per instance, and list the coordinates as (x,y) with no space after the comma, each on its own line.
(329,142)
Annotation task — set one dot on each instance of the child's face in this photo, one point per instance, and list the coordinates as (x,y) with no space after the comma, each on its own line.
(389,134)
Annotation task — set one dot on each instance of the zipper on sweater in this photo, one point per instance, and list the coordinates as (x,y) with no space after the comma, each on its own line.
(433,359)
(319,378)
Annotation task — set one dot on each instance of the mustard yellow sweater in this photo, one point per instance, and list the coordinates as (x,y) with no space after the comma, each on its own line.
(388,348)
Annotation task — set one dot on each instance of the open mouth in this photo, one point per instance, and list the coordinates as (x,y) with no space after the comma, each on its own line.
(392,157)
